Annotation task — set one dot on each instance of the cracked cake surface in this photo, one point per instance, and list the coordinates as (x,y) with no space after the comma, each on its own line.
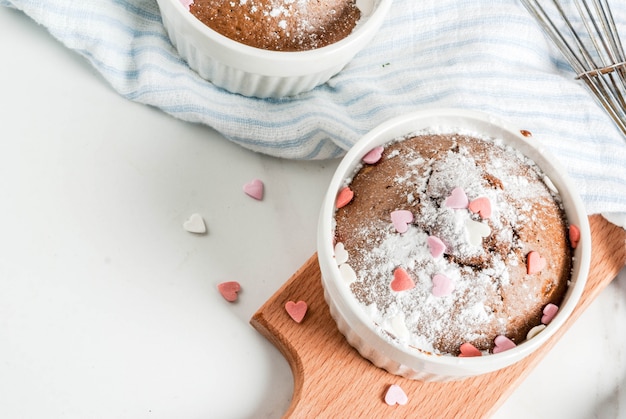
(490,290)
(280,25)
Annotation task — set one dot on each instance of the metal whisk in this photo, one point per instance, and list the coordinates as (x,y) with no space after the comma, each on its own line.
(585,32)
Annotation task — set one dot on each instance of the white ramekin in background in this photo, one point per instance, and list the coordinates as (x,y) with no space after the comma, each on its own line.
(351,318)
(250,71)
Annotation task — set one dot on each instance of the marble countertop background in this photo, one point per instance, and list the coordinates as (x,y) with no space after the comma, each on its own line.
(109,308)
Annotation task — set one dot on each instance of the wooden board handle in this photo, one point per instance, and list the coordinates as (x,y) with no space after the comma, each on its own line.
(332,380)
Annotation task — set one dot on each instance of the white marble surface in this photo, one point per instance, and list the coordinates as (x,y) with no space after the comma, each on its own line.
(109,309)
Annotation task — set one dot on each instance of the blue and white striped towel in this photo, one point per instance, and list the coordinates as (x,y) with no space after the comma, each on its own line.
(486,55)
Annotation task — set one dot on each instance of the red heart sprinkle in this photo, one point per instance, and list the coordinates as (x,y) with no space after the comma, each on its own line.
(481,206)
(574,235)
(534,263)
(457,199)
(549,311)
(502,344)
(401,281)
(344,197)
(401,220)
(395,395)
(374,155)
(468,350)
(296,310)
(229,290)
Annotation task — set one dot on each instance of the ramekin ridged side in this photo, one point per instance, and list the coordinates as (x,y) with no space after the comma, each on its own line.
(255,72)
(359,329)
(374,355)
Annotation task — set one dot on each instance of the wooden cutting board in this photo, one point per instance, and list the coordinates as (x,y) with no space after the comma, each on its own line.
(331,379)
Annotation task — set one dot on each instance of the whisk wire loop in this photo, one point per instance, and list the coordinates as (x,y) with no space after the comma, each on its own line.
(585,32)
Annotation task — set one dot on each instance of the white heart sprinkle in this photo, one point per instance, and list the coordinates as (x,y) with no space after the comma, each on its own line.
(549,184)
(395,395)
(535,331)
(398,327)
(195,224)
(341,255)
(365,7)
(476,231)
(347,273)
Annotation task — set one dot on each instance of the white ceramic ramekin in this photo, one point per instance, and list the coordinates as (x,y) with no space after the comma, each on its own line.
(256,72)
(351,319)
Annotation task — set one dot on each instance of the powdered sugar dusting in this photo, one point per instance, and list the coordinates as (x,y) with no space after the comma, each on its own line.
(282,25)
(479,306)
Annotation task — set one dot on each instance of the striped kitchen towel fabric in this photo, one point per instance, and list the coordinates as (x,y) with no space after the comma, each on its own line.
(487,55)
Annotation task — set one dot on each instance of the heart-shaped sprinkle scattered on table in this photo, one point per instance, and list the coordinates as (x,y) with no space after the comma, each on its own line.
(296,311)
(195,224)
(255,189)
(401,280)
(395,395)
(401,220)
(229,290)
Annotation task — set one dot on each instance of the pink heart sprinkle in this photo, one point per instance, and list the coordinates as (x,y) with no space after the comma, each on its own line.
(186,3)
(442,285)
(395,395)
(574,236)
(229,290)
(401,220)
(374,155)
(344,197)
(401,281)
(549,311)
(296,310)
(502,344)
(481,206)
(255,189)
(534,263)
(468,350)
(457,199)
(436,246)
